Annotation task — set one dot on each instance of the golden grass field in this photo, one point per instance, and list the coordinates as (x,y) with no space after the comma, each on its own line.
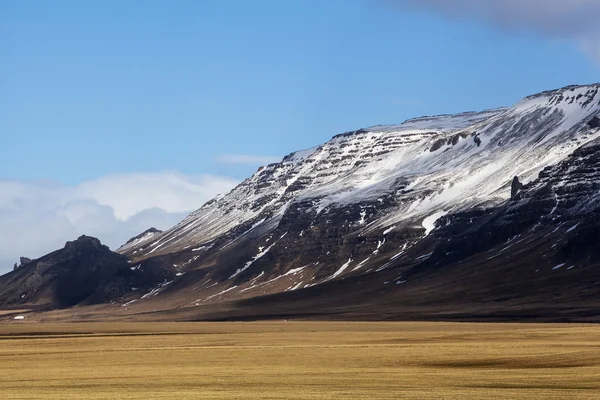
(299,360)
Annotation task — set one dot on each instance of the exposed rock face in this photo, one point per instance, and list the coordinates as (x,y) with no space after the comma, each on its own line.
(594,122)
(83,272)
(24,261)
(515,187)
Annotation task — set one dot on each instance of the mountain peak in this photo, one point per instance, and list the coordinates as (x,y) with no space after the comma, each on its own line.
(390,212)
(85,243)
(84,240)
(574,95)
(140,239)
(148,232)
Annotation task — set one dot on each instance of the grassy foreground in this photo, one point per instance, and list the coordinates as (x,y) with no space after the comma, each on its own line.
(299,360)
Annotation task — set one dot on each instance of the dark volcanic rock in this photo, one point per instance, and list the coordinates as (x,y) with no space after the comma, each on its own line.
(594,122)
(515,187)
(83,272)
(22,261)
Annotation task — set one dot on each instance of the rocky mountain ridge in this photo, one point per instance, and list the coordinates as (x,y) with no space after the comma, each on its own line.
(414,215)
(83,272)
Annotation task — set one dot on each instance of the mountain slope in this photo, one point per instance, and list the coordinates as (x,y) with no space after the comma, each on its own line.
(534,257)
(484,215)
(343,208)
(83,272)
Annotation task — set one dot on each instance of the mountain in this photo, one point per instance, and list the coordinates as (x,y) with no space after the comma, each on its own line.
(479,215)
(83,272)
(137,241)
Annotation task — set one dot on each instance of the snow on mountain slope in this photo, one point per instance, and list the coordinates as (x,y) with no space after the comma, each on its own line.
(139,240)
(408,210)
(444,123)
(426,165)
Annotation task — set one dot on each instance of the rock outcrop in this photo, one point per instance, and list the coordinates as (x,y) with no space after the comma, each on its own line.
(83,272)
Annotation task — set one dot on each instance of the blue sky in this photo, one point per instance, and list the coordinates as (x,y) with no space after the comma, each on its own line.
(192,96)
(98,87)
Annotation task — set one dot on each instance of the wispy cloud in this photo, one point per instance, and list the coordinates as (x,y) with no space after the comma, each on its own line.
(38,217)
(574,20)
(246,159)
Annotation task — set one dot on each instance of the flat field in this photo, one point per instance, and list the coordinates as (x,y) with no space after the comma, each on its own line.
(299,360)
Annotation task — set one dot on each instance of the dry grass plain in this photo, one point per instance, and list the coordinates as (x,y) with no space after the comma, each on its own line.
(299,360)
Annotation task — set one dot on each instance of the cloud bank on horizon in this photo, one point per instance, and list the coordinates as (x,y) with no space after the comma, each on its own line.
(39,217)
(573,20)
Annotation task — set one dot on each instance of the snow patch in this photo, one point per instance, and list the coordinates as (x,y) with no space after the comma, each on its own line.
(571,229)
(363,215)
(261,252)
(388,230)
(220,293)
(423,257)
(429,222)
(294,271)
(342,269)
(157,290)
(129,303)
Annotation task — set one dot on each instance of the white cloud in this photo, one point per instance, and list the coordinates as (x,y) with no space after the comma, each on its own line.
(575,20)
(170,191)
(247,159)
(39,217)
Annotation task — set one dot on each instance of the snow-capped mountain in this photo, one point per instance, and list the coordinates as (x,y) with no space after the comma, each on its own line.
(386,185)
(139,240)
(401,205)
(419,168)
